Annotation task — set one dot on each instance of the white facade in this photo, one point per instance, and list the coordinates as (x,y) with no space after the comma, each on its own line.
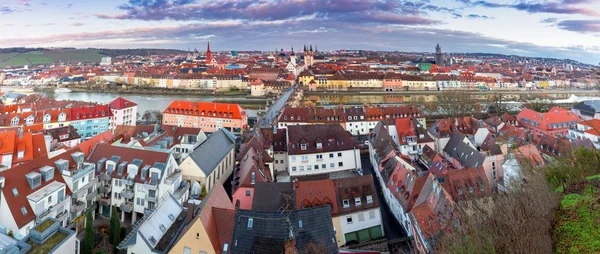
(321,163)
(126,116)
(360,220)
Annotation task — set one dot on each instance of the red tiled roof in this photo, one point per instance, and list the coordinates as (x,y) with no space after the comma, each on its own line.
(128,154)
(205,108)
(320,191)
(90,112)
(120,103)
(87,146)
(15,178)
(217,199)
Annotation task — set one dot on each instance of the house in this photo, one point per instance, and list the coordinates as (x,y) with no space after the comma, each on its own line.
(156,230)
(355,209)
(273,196)
(181,141)
(587,110)
(49,238)
(135,180)
(276,232)
(66,136)
(90,120)
(19,147)
(211,229)
(212,161)
(209,116)
(586,129)
(320,149)
(410,136)
(251,168)
(124,112)
(35,191)
(557,121)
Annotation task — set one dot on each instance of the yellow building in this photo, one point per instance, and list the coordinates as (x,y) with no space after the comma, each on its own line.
(210,231)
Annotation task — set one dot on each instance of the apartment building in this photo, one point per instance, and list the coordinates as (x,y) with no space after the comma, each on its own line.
(91,120)
(320,149)
(206,115)
(124,112)
(557,121)
(135,179)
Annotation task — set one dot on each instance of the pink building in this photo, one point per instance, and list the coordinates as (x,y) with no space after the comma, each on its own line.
(124,112)
(557,121)
(392,82)
(206,115)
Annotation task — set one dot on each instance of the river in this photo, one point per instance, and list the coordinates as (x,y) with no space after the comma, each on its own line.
(144,101)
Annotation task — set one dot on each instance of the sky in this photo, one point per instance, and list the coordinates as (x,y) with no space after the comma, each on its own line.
(542,28)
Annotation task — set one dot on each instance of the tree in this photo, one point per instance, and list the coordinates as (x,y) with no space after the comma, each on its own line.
(517,220)
(89,233)
(455,103)
(203,191)
(114,227)
(147,116)
(157,115)
(123,233)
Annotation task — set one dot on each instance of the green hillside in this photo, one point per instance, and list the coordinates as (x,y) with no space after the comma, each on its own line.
(25,56)
(49,56)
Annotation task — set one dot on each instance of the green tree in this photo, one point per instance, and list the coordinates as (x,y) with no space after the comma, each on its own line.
(123,233)
(203,191)
(114,226)
(89,233)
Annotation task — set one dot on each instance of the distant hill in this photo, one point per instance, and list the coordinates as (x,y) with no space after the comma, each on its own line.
(33,56)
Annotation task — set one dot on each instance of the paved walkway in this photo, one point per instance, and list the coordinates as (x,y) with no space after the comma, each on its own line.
(269,117)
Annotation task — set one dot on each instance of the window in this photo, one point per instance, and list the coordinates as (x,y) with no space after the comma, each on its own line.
(293,158)
(294,169)
(162,228)
(332,165)
(346,203)
(49,199)
(361,217)
(247,193)
(349,219)
(309,167)
(339,154)
(301,168)
(319,145)
(171,217)
(304,158)
(371,214)
(187,250)
(323,166)
(300,223)
(15,191)
(369,199)
(225,247)
(316,166)
(250,222)
(340,164)
(23,210)
(302,146)
(357,201)
(330,155)
(253,178)
(319,156)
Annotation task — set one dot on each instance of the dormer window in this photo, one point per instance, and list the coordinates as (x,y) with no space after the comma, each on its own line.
(319,145)
(369,199)
(34,179)
(459,191)
(357,201)
(253,178)
(303,146)
(346,203)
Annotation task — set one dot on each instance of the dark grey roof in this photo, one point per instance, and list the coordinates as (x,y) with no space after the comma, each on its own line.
(268,196)
(466,155)
(210,153)
(589,107)
(271,230)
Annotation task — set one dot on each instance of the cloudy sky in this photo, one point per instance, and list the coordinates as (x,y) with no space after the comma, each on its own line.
(547,28)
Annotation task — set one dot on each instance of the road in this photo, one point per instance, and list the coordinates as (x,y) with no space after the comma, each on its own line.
(269,117)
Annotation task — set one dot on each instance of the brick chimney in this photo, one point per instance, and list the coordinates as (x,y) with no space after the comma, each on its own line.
(290,247)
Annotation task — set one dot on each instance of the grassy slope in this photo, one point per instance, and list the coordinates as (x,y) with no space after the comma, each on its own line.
(577,229)
(50,56)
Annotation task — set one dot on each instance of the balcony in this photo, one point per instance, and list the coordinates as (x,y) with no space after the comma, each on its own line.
(104,201)
(411,141)
(78,207)
(173,177)
(82,191)
(91,196)
(181,191)
(128,182)
(106,177)
(106,189)
(413,151)
(52,209)
(149,198)
(127,207)
(127,194)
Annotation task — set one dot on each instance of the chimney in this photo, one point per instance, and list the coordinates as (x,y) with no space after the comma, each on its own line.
(290,247)
(191,207)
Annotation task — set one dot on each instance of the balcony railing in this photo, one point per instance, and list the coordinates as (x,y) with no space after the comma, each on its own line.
(173,177)
(106,177)
(104,201)
(82,191)
(127,194)
(127,182)
(127,207)
(181,190)
(78,207)
(52,209)
(91,196)
(106,189)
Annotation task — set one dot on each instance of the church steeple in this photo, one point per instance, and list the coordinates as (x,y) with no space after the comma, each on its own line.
(208,55)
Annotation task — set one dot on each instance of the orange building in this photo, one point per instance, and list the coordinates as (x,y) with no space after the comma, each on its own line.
(206,115)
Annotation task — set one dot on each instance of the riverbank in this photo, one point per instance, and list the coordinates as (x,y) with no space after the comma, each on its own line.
(435,92)
(151,91)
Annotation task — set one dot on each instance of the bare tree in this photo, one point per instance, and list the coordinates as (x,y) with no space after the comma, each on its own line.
(519,220)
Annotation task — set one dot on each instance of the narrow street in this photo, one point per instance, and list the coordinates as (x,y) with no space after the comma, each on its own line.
(393,231)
